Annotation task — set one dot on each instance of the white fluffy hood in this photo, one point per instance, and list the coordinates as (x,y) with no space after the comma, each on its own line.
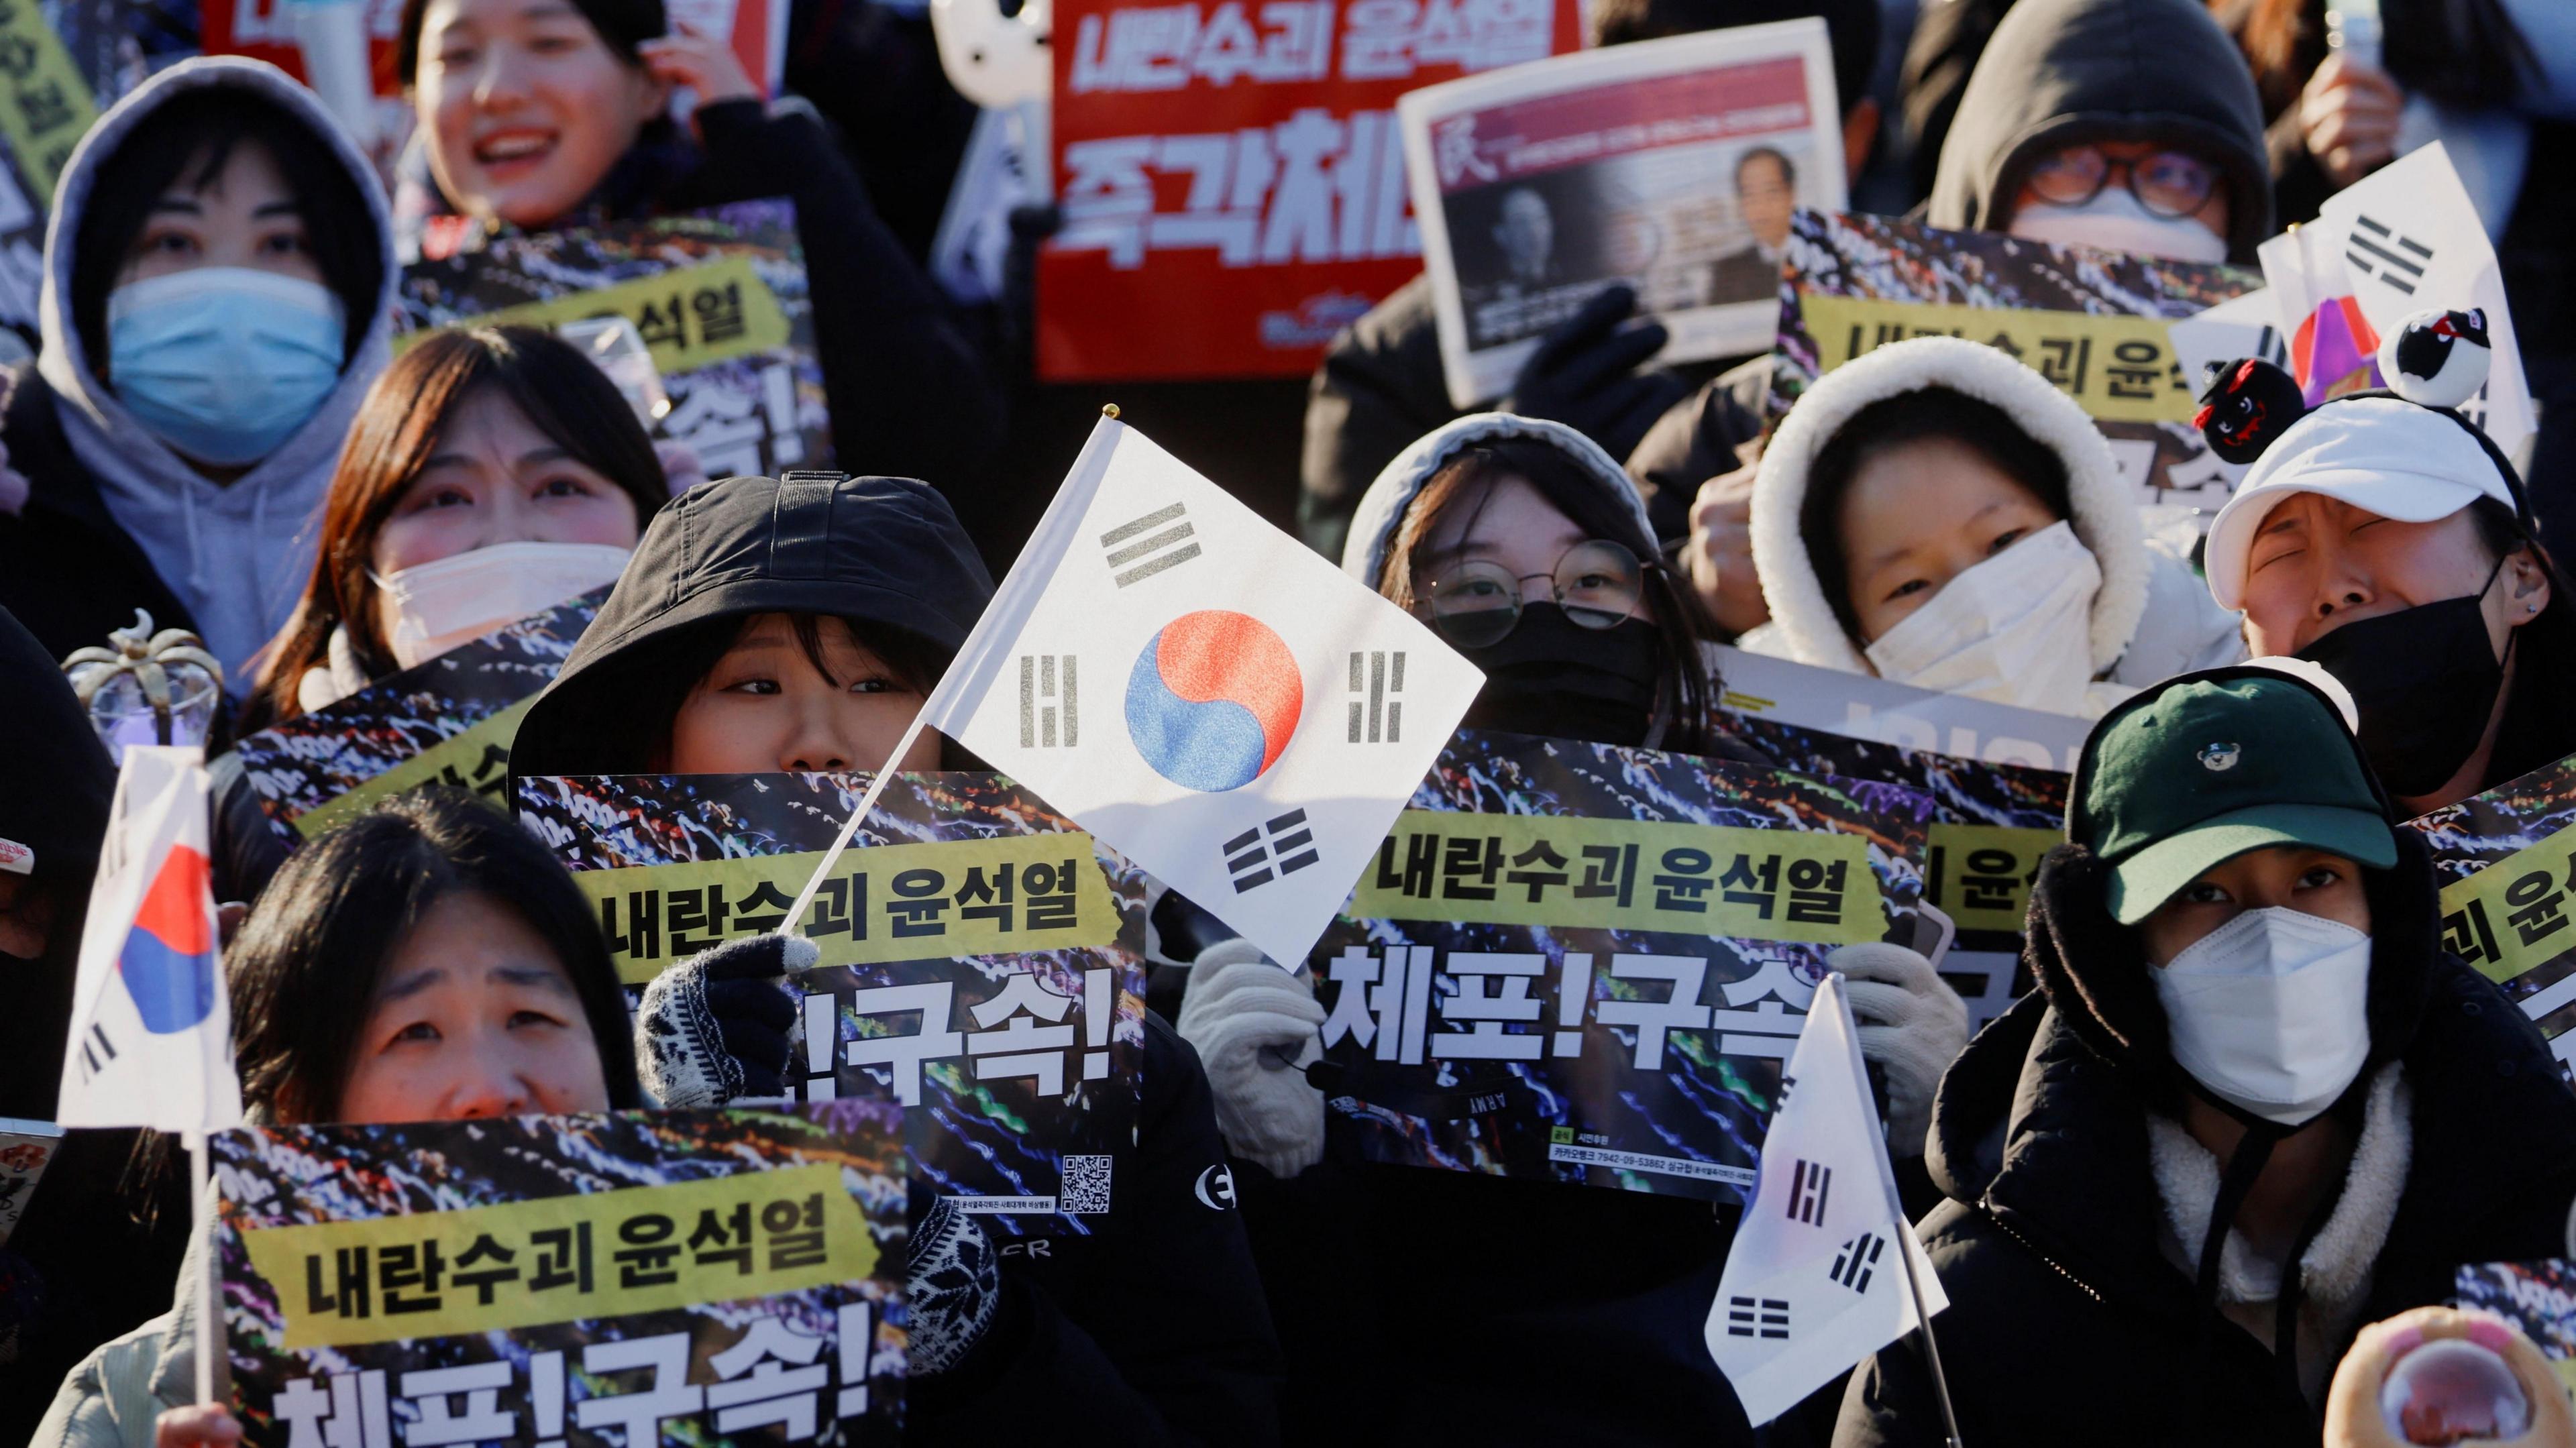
(1383,506)
(2105,512)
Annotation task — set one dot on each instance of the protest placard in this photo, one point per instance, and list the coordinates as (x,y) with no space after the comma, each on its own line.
(26,1147)
(981,956)
(1231,176)
(48,101)
(449,720)
(2539,1297)
(1582,963)
(719,296)
(2094,323)
(2506,871)
(1671,165)
(722,1276)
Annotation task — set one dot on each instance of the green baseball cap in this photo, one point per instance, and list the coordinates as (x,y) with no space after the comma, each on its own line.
(2205,767)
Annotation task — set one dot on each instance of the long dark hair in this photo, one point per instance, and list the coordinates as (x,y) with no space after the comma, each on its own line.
(1910,417)
(347,240)
(306,964)
(2539,724)
(396,432)
(1688,691)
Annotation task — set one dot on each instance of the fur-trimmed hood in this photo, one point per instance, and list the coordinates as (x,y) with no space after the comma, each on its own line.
(2105,515)
(1383,506)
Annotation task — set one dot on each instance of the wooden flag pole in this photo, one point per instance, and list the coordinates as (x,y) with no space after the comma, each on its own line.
(210,1278)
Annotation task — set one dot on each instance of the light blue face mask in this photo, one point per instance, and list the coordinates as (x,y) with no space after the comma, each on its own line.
(224,363)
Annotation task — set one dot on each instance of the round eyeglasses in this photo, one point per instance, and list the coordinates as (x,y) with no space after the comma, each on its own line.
(2167,183)
(1478,602)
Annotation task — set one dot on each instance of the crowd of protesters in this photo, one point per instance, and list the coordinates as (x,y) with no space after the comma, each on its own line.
(2252,1104)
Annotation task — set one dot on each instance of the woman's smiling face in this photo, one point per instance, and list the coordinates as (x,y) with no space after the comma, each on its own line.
(526,106)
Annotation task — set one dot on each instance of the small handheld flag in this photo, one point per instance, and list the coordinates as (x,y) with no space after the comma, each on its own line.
(1195,687)
(1811,1286)
(151,1038)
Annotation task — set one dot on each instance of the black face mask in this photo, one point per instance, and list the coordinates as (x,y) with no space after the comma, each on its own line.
(1551,676)
(2425,679)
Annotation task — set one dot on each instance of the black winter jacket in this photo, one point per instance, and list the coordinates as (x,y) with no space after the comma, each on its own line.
(2067,1324)
(67,570)
(1149,1330)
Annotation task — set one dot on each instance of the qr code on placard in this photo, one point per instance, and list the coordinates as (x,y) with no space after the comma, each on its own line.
(1085,1192)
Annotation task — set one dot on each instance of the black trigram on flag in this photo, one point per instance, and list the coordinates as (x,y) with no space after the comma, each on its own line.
(1788,1083)
(1378,720)
(1757,1317)
(1282,846)
(1147,546)
(1808,1184)
(96,1051)
(1858,1259)
(2375,250)
(1047,697)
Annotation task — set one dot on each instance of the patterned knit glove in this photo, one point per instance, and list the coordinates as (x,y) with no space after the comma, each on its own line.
(952,1281)
(713,1028)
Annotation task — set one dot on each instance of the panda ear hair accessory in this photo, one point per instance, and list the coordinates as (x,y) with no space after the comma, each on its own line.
(2437,358)
(2247,404)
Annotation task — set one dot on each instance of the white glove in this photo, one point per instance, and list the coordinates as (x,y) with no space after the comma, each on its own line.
(1912,1024)
(1247,1017)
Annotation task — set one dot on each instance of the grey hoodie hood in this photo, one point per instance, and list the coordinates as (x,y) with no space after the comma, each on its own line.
(2061,72)
(1383,506)
(236,554)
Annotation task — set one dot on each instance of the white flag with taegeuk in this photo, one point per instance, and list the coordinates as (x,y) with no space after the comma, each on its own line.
(1206,694)
(1813,1283)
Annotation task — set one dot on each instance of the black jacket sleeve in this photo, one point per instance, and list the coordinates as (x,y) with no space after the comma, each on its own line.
(1157,1333)
(910,396)
(248,849)
(1695,440)
(1380,387)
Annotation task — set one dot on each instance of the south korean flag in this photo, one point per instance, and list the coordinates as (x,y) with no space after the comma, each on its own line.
(1213,699)
(1813,1283)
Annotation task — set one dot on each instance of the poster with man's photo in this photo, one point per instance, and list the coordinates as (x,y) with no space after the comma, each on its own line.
(982,956)
(2097,324)
(1587,964)
(1670,165)
(719,298)
(636,1277)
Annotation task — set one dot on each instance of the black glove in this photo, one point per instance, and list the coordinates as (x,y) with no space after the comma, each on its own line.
(713,1028)
(1584,374)
(952,1282)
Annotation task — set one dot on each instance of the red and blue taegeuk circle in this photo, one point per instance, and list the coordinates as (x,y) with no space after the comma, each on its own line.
(168,960)
(1213,700)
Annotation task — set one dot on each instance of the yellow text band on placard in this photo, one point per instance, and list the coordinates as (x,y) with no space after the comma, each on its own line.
(2120,368)
(44,103)
(1980,875)
(690,317)
(2517,914)
(563,1259)
(999,896)
(1680,879)
(477,759)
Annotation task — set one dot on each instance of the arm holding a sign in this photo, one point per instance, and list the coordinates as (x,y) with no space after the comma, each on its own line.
(428,961)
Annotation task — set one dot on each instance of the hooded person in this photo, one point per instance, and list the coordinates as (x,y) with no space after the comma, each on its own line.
(219,285)
(799,624)
(2253,1104)
(1938,514)
(2127,124)
(2383,536)
(1523,544)
(78,1268)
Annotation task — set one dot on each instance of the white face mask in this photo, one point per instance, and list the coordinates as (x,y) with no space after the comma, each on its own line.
(2015,629)
(2271,1011)
(437,606)
(2115,220)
